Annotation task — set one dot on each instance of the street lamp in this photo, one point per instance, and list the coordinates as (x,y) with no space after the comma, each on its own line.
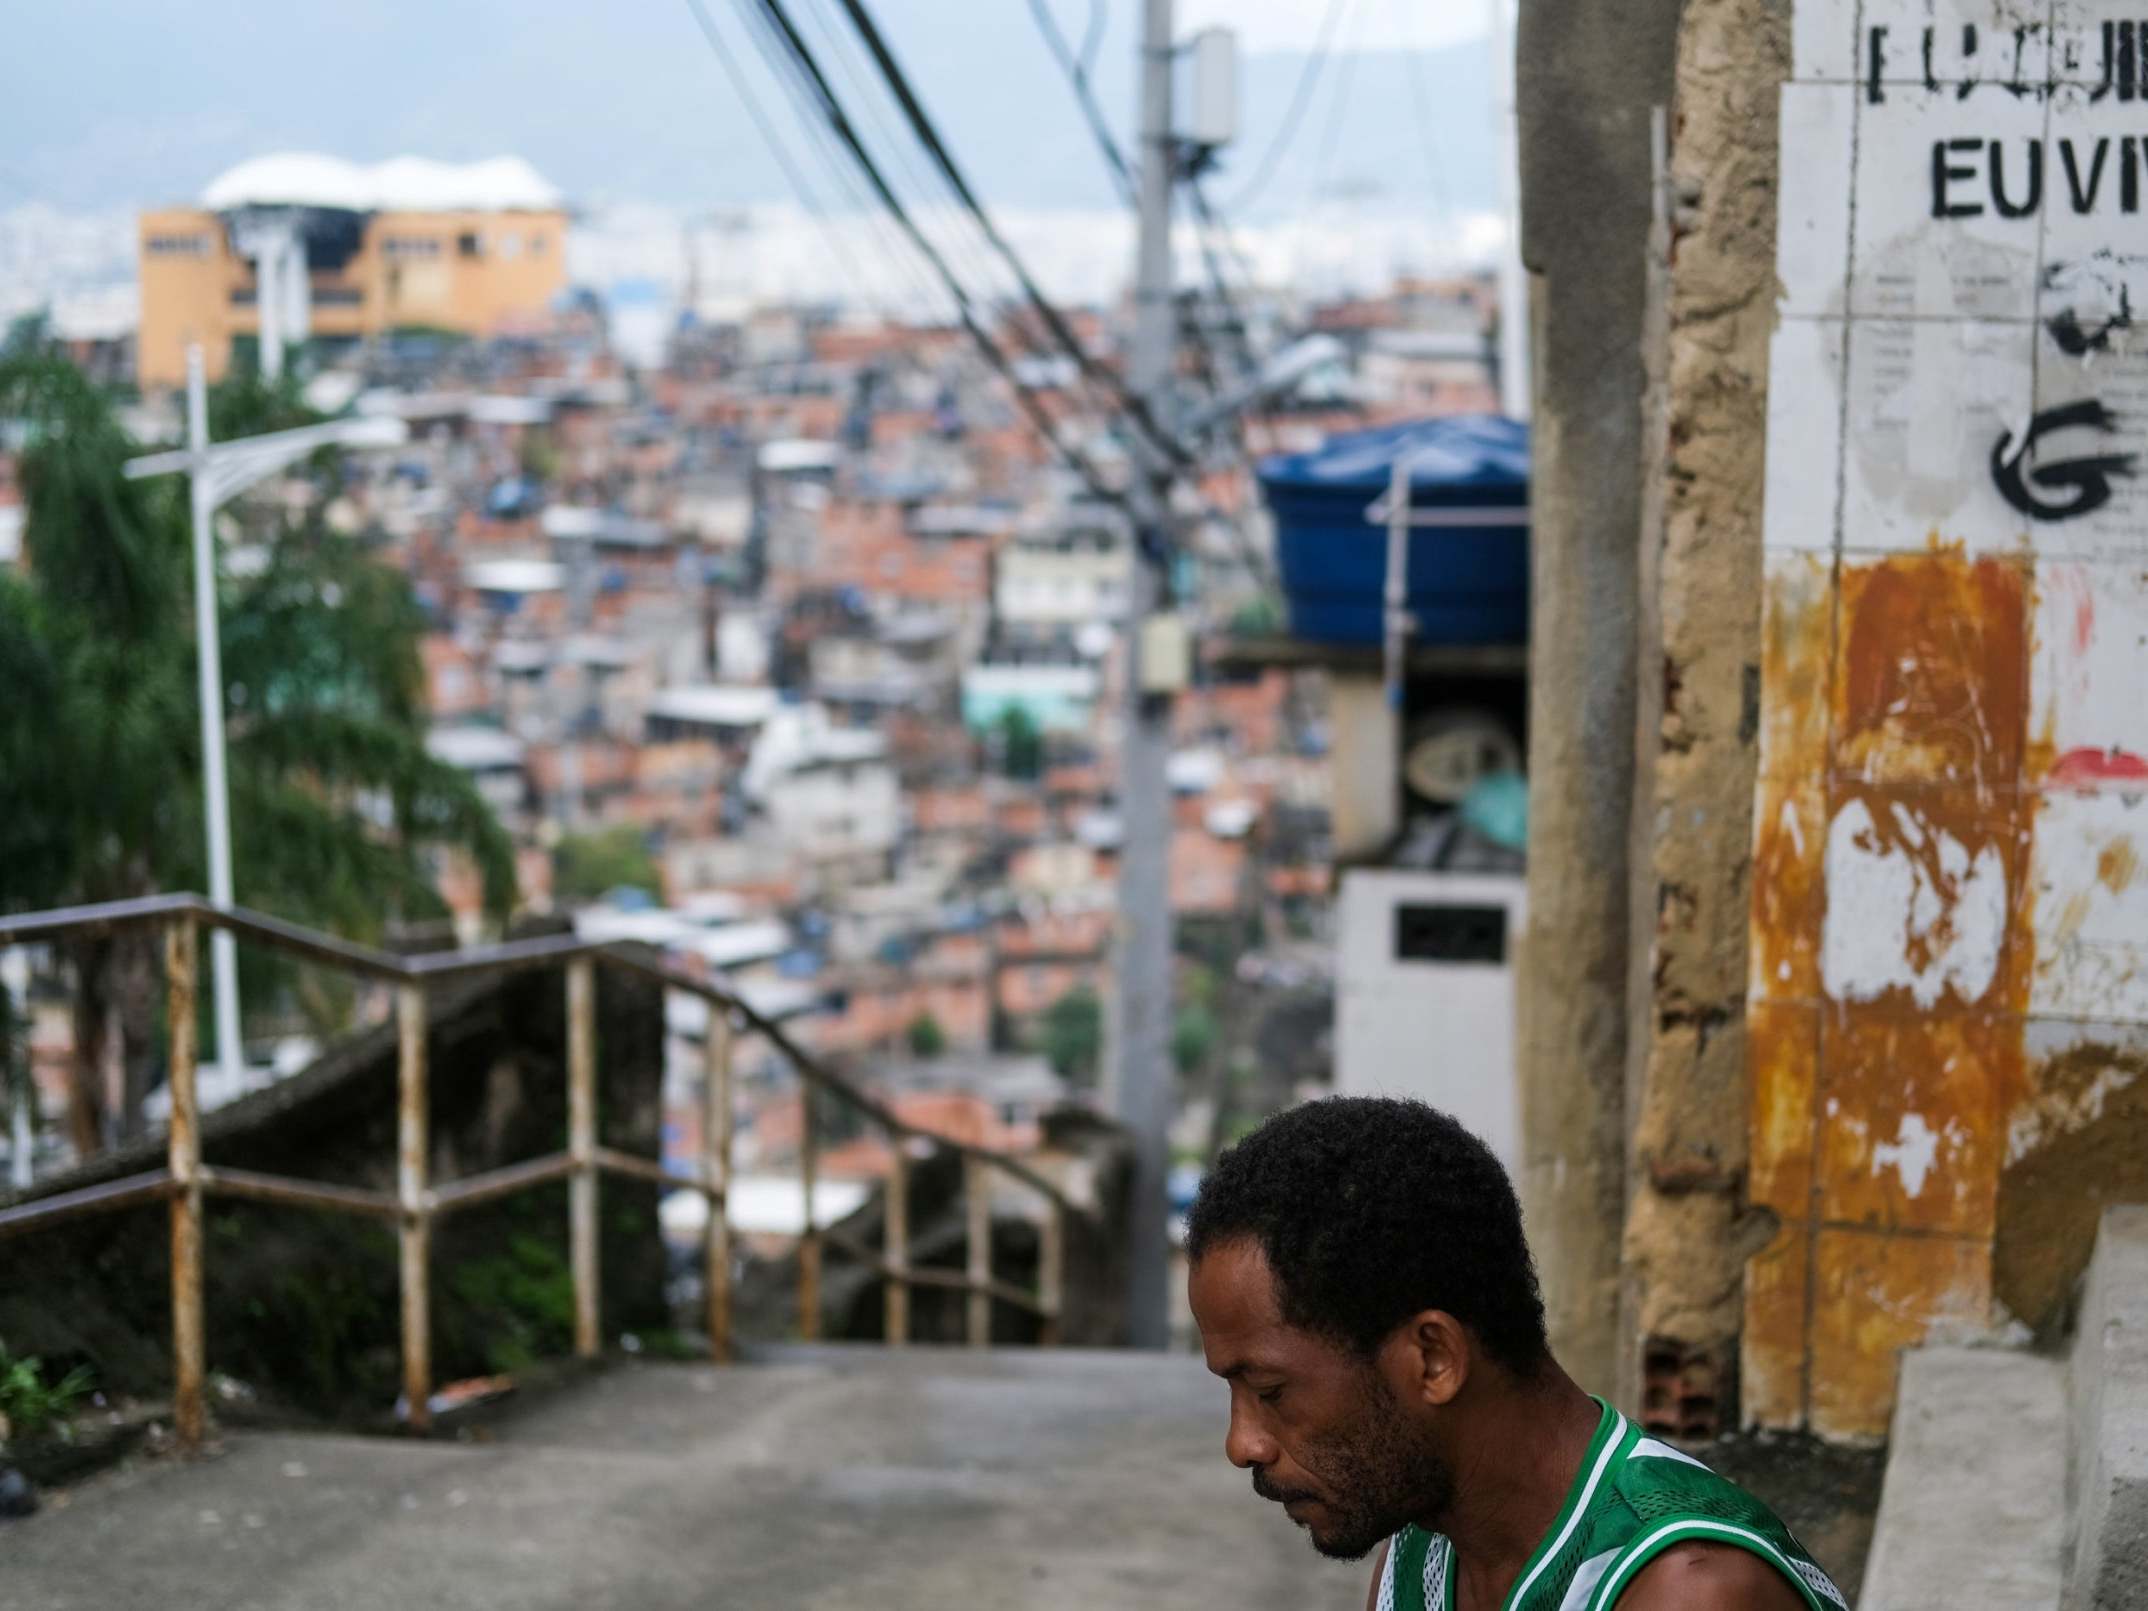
(215,475)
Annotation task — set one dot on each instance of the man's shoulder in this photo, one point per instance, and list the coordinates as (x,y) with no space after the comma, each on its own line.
(1666,1523)
(1695,1576)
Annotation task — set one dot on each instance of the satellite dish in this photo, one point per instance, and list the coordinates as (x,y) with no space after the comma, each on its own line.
(1452,751)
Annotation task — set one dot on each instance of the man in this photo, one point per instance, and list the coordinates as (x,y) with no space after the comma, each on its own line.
(1360,1279)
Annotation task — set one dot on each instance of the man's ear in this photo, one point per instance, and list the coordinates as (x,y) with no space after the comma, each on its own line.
(1427,1359)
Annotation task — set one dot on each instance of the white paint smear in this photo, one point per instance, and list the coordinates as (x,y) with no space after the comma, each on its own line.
(1882,903)
(1911,1154)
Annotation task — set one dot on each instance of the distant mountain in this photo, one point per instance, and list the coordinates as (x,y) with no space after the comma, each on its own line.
(123,103)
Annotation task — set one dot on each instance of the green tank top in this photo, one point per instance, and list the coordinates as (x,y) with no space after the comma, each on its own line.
(1633,1498)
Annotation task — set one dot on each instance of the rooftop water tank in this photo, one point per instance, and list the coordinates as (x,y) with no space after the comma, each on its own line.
(1468,579)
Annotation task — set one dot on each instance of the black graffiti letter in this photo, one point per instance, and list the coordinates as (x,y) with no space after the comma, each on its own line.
(2036,181)
(2084,196)
(1945,173)
(2086,482)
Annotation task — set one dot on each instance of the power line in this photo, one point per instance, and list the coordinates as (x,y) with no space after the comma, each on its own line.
(894,247)
(967,258)
(1078,75)
(1338,109)
(770,137)
(906,172)
(1092,39)
(1206,227)
(1300,98)
(831,110)
(1135,406)
(1413,65)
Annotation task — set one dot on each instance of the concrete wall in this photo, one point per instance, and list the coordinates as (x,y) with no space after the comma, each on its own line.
(1949,941)
(1438,1028)
(1589,76)
(1688,1227)
(2107,1565)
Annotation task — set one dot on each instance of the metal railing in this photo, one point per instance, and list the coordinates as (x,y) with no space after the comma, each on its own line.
(418,1203)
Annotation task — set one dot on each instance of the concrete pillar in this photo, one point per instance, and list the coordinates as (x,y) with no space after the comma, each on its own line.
(1589,79)
(1688,1228)
(1365,763)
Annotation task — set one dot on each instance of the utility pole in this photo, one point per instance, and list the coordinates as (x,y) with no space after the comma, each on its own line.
(1514,392)
(209,663)
(1143,1089)
(215,474)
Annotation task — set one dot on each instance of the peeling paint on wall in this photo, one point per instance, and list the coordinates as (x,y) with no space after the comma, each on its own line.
(1909,907)
(1957,533)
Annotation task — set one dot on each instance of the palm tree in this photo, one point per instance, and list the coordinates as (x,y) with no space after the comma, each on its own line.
(336,804)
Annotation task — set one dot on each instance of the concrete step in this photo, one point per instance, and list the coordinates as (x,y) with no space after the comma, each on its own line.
(2108,1566)
(814,1480)
(1973,1512)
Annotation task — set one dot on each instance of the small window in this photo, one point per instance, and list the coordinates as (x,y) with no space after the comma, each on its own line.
(470,244)
(178,246)
(539,244)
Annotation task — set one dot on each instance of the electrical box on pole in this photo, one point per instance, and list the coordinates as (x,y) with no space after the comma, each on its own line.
(1166,655)
(1212,106)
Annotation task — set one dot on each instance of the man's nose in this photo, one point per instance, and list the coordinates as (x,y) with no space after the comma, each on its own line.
(1246,1445)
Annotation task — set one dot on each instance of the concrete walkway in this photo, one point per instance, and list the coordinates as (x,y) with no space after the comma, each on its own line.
(851,1480)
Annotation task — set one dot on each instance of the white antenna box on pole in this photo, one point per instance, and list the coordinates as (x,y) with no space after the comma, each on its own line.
(1213,105)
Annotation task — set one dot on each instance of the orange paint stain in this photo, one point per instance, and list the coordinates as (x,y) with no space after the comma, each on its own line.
(1782,1049)
(1912,1109)
(2118,865)
(1789,894)
(1930,685)
(1797,646)
(1947,835)
(1874,1295)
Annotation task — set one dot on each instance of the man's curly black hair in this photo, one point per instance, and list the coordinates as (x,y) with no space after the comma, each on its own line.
(1371,1210)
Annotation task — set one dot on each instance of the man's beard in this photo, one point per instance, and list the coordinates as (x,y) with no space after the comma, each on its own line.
(1376,1475)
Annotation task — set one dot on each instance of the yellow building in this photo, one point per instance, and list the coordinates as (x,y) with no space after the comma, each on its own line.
(478,248)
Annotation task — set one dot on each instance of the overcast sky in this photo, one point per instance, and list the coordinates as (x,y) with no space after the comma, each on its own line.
(123,103)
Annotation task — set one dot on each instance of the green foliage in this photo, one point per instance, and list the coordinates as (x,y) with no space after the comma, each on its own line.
(336,802)
(539,455)
(249,404)
(1193,1036)
(925,1036)
(588,866)
(28,334)
(526,1294)
(1021,744)
(1257,618)
(29,1404)
(308,1302)
(1073,1035)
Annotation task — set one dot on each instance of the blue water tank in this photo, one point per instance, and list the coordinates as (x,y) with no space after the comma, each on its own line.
(1468,584)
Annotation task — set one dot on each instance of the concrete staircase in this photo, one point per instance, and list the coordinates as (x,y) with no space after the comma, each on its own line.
(2020,1483)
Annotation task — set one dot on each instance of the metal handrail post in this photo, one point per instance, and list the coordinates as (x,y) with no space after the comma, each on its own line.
(809,1240)
(897,1239)
(582,1147)
(183,1151)
(716,1124)
(977,1195)
(412,1144)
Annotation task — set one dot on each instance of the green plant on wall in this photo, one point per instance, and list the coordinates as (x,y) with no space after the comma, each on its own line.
(29,1405)
(526,1292)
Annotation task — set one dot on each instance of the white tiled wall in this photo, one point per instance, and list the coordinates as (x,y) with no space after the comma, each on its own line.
(1928,401)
